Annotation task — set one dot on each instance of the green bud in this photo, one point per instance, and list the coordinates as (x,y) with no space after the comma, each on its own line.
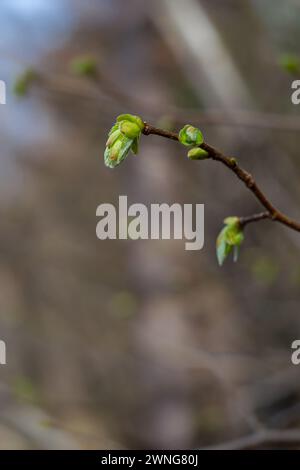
(231,220)
(84,66)
(290,63)
(134,119)
(190,135)
(135,146)
(230,238)
(197,153)
(130,129)
(122,137)
(24,81)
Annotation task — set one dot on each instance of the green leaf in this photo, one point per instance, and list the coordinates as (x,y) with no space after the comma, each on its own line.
(223,250)
(107,159)
(233,235)
(113,137)
(125,149)
(190,135)
(115,154)
(114,128)
(230,238)
(135,146)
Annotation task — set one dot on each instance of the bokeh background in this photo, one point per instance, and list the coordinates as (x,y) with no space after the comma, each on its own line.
(141,344)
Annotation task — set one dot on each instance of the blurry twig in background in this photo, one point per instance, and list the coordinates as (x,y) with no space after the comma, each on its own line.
(187,29)
(103,89)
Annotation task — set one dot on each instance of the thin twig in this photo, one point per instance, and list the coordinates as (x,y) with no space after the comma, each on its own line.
(272,212)
(102,87)
(253,218)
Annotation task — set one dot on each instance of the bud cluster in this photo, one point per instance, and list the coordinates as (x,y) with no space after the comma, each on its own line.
(123,138)
(191,136)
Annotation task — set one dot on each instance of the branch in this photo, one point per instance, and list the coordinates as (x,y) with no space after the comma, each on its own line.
(271,213)
(253,218)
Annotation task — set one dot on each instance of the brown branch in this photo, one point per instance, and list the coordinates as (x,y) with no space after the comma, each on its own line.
(272,212)
(254,218)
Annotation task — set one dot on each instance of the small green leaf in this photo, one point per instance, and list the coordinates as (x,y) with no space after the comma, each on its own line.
(125,149)
(223,250)
(113,137)
(190,135)
(115,154)
(230,238)
(197,153)
(234,235)
(114,128)
(107,159)
(135,146)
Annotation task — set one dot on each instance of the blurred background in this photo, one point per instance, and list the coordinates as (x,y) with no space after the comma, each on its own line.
(141,344)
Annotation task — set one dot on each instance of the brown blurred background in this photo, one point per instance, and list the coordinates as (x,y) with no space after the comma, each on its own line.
(141,344)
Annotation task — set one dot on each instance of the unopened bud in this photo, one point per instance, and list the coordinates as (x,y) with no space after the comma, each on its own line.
(190,135)
(197,153)
(130,129)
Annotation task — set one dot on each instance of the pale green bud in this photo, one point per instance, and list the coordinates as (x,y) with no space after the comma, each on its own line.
(197,153)
(131,118)
(130,129)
